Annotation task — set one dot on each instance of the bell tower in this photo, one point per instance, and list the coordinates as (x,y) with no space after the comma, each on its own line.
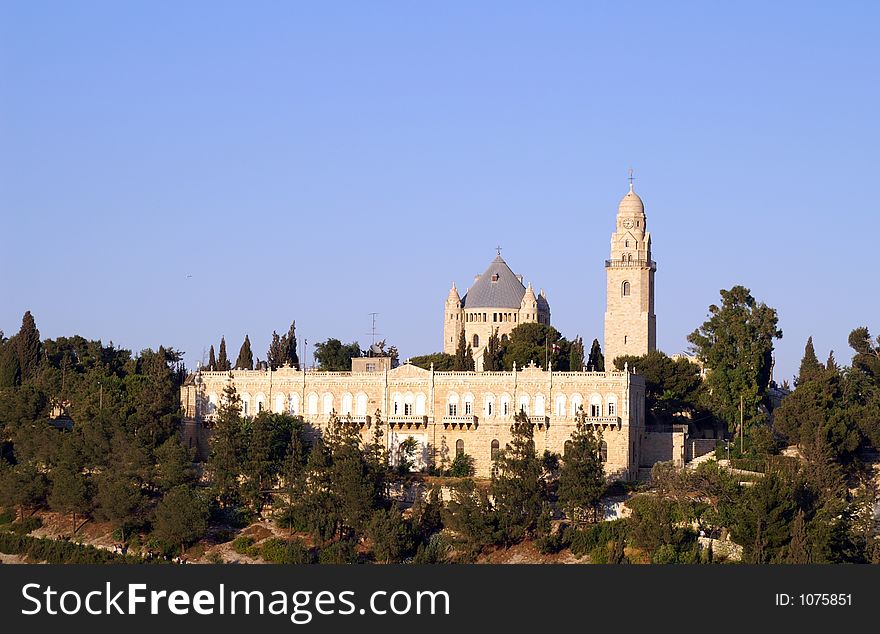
(630,323)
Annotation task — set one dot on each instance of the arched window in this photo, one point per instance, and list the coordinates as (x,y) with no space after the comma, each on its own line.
(346,404)
(476,341)
(524,403)
(279,403)
(560,405)
(503,338)
(577,403)
(625,289)
(361,404)
(452,404)
(539,405)
(495,449)
(490,405)
(612,405)
(566,449)
(313,404)
(459,448)
(603,451)
(260,401)
(328,404)
(505,404)
(468,404)
(420,404)
(595,405)
(396,404)
(293,404)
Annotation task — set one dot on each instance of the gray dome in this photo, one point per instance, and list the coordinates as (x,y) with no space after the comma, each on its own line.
(498,287)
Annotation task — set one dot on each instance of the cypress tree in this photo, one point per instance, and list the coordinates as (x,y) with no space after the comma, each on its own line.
(222,359)
(27,346)
(810,366)
(582,476)
(275,354)
(596,361)
(831,364)
(798,548)
(288,344)
(492,354)
(461,354)
(212,361)
(576,355)
(245,359)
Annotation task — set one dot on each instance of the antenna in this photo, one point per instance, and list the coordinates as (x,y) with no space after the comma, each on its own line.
(373,332)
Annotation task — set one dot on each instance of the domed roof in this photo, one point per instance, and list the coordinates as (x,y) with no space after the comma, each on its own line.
(631,203)
(497,287)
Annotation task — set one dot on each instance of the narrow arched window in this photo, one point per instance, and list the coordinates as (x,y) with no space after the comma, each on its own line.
(603,451)
(476,341)
(495,449)
(459,448)
(624,290)
(567,448)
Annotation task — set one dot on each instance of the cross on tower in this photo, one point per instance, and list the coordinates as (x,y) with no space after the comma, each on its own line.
(631,177)
(498,250)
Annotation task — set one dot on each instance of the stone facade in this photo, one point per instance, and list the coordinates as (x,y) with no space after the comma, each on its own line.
(630,323)
(446,412)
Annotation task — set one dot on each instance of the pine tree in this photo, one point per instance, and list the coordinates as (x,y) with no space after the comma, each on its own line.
(596,362)
(516,483)
(212,361)
(28,346)
(798,548)
(810,366)
(582,476)
(576,355)
(831,363)
(181,517)
(492,354)
(245,359)
(227,448)
(222,359)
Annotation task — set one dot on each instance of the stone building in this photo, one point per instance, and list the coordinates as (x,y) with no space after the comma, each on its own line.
(447,413)
(450,413)
(498,302)
(630,323)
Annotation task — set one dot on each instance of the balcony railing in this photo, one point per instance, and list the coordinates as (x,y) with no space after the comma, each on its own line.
(635,264)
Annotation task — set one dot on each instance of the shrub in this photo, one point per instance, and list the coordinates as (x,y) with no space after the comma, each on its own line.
(6,517)
(280,551)
(586,540)
(462,466)
(59,552)
(244,545)
(27,526)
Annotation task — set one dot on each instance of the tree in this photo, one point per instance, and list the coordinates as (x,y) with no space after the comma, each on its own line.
(28,346)
(582,475)
(288,347)
(538,343)
(867,354)
(173,465)
(492,353)
(673,388)
(212,359)
(517,486)
(120,499)
(227,448)
(576,355)
(69,493)
(762,519)
(181,517)
(22,486)
(596,362)
(222,359)
(10,368)
(810,366)
(334,356)
(736,345)
(391,535)
(245,359)
(464,355)
(798,548)
(471,516)
(440,360)
(275,356)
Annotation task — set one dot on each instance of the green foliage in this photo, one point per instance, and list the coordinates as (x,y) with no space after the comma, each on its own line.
(596,362)
(280,551)
(245,359)
(10,368)
(517,485)
(212,359)
(585,540)
(22,486)
(656,522)
(282,349)
(440,360)
(244,545)
(464,356)
(736,345)
(181,517)
(810,366)
(223,364)
(406,453)
(673,388)
(492,354)
(334,356)
(339,552)
(462,466)
(227,448)
(392,536)
(471,517)
(27,525)
(582,475)
(762,519)
(173,464)
(27,347)
(576,355)
(54,551)
(867,353)
(539,343)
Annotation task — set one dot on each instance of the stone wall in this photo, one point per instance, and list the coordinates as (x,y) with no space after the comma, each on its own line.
(664,446)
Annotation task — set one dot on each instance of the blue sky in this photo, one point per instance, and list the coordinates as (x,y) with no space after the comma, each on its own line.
(321,161)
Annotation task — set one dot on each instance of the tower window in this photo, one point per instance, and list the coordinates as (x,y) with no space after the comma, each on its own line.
(624,290)
(476,341)
(494,277)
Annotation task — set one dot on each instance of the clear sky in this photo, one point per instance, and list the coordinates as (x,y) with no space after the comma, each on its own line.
(321,161)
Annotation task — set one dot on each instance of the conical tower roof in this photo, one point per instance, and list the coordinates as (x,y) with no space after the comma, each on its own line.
(497,287)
